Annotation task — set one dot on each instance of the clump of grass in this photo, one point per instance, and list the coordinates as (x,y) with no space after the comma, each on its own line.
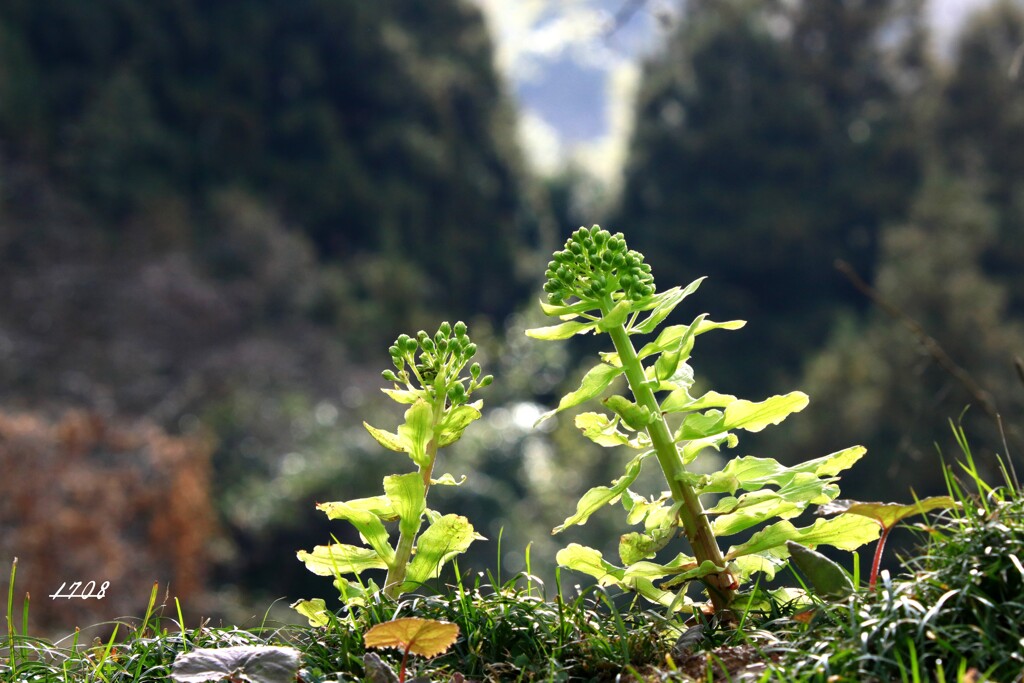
(509,631)
(957,609)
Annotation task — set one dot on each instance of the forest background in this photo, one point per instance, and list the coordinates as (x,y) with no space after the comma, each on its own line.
(216,216)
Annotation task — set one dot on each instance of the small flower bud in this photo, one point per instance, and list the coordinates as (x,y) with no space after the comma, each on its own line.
(389,376)
(460,329)
(470,350)
(486,380)
(474,370)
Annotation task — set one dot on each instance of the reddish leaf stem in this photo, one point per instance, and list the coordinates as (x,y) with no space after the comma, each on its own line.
(878,556)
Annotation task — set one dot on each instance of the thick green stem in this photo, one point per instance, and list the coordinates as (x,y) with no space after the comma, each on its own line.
(406,538)
(691,513)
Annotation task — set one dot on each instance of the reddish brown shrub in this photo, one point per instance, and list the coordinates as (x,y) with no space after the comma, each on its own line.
(82,499)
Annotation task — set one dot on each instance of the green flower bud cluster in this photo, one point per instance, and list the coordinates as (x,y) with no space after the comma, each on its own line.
(433,363)
(595,264)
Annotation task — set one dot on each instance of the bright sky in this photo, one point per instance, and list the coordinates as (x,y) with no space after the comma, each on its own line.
(575,84)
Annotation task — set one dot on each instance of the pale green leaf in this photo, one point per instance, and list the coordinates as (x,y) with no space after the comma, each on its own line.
(634,416)
(596,498)
(593,384)
(403,395)
(591,562)
(673,333)
(754,417)
(562,330)
(388,440)
(566,309)
(750,473)
(705,568)
(444,539)
(456,421)
(691,449)
(679,401)
(636,546)
(752,511)
(448,479)
(601,429)
(664,304)
(408,497)
(767,562)
(369,525)
(378,505)
(417,431)
(340,558)
(314,610)
(846,532)
(616,317)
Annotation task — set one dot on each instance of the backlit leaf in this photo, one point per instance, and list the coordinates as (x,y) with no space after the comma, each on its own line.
(340,558)
(424,637)
(562,330)
(388,440)
(417,431)
(314,610)
(593,384)
(443,540)
(408,497)
(456,422)
(846,532)
(597,497)
(665,303)
(753,417)
(369,525)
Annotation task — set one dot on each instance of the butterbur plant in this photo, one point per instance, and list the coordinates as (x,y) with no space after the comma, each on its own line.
(597,285)
(430,376)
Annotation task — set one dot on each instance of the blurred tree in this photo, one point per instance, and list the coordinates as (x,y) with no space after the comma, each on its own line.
(879,384)
(372,127)
(770,139)
(981,128)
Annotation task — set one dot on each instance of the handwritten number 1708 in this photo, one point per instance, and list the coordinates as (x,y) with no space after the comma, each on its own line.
(87,592)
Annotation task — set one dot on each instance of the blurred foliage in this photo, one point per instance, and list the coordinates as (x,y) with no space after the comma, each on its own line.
(772,138)
(879,382)
(981,128)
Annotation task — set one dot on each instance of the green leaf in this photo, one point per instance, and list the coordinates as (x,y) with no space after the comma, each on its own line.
(566,310)
(340,558)
(447,479)
(636,546)
(314,610)
(888,515)
(456,421)
(828,579)
(597,379)
(601,429)
(616,317)
(751,509)
(403,395)
(417,431)
(596,498)
(388,440)
(254,663)
(753,417)
(444,539)
(665,303)
(669,335)
(846,532)
(408,497)
(679,401)
(378,505)
(751,473)
(561,331)
(369,525)
(635,416)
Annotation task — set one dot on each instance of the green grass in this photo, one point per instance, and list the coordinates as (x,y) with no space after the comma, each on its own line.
(952,614)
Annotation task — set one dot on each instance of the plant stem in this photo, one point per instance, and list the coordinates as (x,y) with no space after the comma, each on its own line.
(878,556)
(403,551)
(695,522)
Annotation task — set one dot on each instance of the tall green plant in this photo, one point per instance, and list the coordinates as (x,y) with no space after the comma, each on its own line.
(597,285)
(428,377)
